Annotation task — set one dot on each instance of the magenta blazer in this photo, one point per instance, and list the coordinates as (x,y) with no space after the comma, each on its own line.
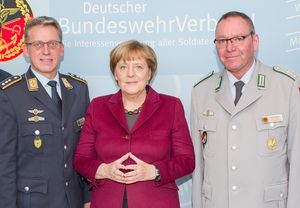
(160,136)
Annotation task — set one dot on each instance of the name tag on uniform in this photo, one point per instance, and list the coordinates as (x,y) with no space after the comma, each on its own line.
(272,119)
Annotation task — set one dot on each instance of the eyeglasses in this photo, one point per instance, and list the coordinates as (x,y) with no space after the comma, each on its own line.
(52,44)
(236,40)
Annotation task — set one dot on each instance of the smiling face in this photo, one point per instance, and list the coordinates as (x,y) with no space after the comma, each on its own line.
(46,59)
(132,76)
(236,58)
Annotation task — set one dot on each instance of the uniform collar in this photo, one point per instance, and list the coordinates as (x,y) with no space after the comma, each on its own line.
(44,80)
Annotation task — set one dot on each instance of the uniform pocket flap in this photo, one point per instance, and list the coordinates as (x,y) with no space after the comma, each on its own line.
(206,190)
(33,185)
(276,192)
(207,125)
(31,129)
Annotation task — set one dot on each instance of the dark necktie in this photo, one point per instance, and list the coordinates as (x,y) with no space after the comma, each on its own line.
(55,96)
(238,91)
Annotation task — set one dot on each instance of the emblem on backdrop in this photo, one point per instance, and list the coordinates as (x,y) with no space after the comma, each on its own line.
(13,16)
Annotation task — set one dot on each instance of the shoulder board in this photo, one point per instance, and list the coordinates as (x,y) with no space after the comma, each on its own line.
(73,76)
(204,78)
(285,72)
(10,81)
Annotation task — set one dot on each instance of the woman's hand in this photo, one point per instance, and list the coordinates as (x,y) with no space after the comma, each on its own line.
(112,170)
(140,171)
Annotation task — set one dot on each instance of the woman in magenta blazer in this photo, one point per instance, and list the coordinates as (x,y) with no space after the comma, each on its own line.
(135,143)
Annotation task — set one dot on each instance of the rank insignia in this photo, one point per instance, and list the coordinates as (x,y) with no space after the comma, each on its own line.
(10,81)
(204,137)
(208,113)
(272,119)
(66,83)
(271,143)
(80,122)
(285,72)
(37,142)
(33,84)
(77,78)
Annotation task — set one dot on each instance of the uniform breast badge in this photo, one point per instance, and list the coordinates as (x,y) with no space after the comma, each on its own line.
(208,113)
(204,137)
(272,143)
(271,119)
(80,122)
(36,118)
(37,142)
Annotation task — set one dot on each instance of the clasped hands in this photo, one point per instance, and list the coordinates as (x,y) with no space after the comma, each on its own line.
(128,174)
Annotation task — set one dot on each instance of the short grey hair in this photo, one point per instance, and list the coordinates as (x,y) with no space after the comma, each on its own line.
(44,21)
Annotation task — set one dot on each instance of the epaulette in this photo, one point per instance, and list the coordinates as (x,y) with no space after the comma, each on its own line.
(77,78)
(10,81)
(204,78)
(284,71)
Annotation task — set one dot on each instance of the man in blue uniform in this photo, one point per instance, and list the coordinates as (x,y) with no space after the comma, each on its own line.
(41,113)
(4,75)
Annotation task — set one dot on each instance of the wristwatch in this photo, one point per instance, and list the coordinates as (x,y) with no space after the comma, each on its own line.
(157,174)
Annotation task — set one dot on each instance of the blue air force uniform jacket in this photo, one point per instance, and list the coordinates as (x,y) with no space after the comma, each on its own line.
(4,75)
(37,144)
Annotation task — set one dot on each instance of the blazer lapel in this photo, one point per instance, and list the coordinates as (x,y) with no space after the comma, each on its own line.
(116,108)
(150,105)
(40,93)
(68,98)
(224,97)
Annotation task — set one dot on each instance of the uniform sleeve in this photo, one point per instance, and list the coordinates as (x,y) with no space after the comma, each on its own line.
(182,161)
(87,192)
(8,154)
(197,177)
(294,147)
(85,158)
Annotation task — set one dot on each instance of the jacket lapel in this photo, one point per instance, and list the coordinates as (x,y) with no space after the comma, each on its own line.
(40,93)
(224,97)
(150,105)
(68,97)
(115,105)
